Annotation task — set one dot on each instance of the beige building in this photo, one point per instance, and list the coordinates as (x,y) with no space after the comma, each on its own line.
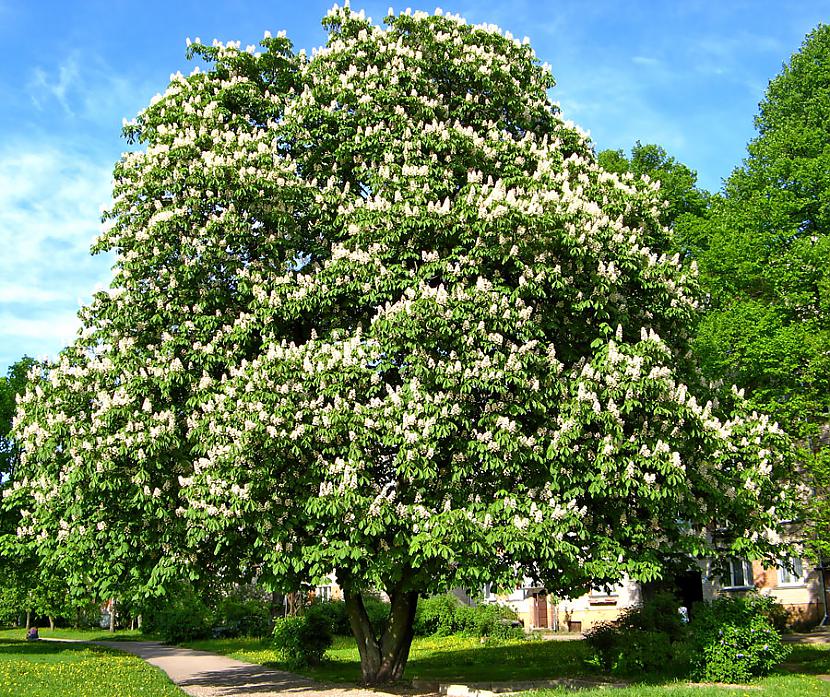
(539,610)
(797,586)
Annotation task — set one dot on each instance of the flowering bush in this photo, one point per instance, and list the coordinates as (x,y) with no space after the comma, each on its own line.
(734,639)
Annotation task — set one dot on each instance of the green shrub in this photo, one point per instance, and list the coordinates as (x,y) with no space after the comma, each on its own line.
(302,640)
(494,621)
(443,615)
(647,638)
(179,616)
(378,611)
(241,615)
(734,639)
(660,613)
(436,616)
(333,613)
(336,618)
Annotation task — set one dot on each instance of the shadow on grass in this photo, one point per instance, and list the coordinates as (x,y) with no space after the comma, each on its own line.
(450,660)
(527,661)
(809,659)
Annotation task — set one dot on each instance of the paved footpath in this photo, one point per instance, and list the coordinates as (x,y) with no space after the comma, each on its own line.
(203,674)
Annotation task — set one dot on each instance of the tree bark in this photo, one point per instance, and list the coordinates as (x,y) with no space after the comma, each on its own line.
(383,661)
(112,615)
(51,622)
(293,604)
(28,619)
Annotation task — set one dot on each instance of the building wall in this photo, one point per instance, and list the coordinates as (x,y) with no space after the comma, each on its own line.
(577,614)
(582,613)
(802,599)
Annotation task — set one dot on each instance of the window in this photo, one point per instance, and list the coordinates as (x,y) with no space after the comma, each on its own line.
(786,577)
(604,596)
(739,574)
(324,593)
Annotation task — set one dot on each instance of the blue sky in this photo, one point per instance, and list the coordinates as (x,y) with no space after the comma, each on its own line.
(687,75)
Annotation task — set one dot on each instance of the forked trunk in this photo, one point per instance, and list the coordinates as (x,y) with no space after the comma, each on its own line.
(383,660)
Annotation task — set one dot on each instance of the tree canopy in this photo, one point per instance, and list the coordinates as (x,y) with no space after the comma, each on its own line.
(11,385)
(380,311)
(678,183)
(765,259)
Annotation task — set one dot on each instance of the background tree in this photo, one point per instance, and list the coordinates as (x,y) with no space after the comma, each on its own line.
(11,385)
(683,198)
(17,570)
(381,312)
(685,207)
(765,260)
(30,588)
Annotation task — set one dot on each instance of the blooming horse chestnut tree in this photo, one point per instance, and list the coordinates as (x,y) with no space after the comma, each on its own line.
(378,311)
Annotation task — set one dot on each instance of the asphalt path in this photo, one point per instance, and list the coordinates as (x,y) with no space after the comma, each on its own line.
(204,674)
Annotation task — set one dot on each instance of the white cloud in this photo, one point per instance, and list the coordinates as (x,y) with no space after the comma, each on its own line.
(55,172)
(20,294)
(57,86)
(647,61)
(49,212)
(45,332)
(86,87)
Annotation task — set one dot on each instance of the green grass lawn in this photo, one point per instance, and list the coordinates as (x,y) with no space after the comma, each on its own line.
(443,659)
(82,634)
(457,659)
(774,686)
(76,670)
(53,669)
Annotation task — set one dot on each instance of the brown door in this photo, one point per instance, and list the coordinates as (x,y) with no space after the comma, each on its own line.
(540,610)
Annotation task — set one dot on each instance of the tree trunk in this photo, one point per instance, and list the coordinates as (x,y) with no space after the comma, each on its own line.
(28,619)
(277,608)
(51,622)
(383,661)
(112,615)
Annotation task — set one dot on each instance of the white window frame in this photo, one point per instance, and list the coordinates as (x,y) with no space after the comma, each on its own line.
(601,596)
(746,572)
(792,579)
(323,593)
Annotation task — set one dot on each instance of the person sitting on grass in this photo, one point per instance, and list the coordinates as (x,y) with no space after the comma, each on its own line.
(32,634)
